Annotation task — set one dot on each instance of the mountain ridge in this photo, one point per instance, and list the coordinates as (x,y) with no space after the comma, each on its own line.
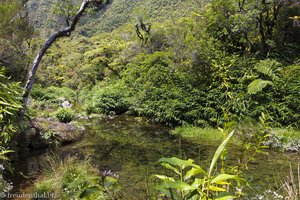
(44,19)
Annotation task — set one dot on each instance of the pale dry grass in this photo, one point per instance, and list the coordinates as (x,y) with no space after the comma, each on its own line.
(291,185)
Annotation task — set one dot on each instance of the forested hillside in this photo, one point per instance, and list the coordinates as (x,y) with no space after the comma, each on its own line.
(205,68)
(150,78)
(14,30)
(46,16)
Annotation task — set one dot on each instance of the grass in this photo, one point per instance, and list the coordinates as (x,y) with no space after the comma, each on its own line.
(291,184)
(197,133)
(280,138)
(287,133)
(68,179)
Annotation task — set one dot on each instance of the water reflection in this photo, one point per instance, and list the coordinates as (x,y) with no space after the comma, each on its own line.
(131,146)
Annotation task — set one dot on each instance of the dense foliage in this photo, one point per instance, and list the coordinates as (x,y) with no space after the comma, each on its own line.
(14,56)
(10,103)
(15,53)
(201,69)
(203,63)
(9,106)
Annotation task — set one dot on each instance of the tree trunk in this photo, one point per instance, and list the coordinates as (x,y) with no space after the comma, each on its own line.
(66,32)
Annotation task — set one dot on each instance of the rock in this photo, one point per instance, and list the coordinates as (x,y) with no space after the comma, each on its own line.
(66,104)
(96,116)
(81,117)
(37,142)
(51,132)
(68,133)
(111,114)
(32,167)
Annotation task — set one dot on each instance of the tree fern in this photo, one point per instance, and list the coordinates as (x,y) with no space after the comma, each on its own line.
(258,85)
(267,67)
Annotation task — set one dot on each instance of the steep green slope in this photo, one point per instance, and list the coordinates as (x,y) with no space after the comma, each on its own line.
(14,31)
(119,12)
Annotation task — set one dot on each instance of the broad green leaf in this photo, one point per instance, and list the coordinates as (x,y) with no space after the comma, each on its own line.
(168,166)
(225,196)
(218,153)
(222,183)
(223,177)
(74,184)
(178,162)
(197,182)
(216,189)
(193,172)
(258,85)
(164,178)
(179,185)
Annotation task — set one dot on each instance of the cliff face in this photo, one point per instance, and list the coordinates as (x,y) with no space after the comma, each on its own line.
(42,14)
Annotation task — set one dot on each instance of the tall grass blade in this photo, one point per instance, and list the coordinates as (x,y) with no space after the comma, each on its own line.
(218,153)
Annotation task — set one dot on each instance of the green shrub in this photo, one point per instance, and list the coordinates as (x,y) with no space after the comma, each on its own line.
(52,94)
(162,92)
(104,99)
(37,92)
(64,115)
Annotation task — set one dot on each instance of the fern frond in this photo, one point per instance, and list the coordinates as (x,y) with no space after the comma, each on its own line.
(257,86)
(267,67)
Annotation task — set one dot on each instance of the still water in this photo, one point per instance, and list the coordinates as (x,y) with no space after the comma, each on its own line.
(131,146)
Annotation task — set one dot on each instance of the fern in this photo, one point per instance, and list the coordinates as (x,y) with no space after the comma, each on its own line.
(267,67)
(257,86)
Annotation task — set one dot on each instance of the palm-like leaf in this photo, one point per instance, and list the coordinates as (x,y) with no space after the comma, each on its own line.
(267,67)
(258,85)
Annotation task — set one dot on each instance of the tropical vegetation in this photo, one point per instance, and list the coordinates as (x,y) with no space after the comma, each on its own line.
(195,66)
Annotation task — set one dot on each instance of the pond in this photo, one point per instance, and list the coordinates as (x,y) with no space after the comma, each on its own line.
(131,146)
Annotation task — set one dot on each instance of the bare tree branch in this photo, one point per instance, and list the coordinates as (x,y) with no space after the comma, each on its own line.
(66,32)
